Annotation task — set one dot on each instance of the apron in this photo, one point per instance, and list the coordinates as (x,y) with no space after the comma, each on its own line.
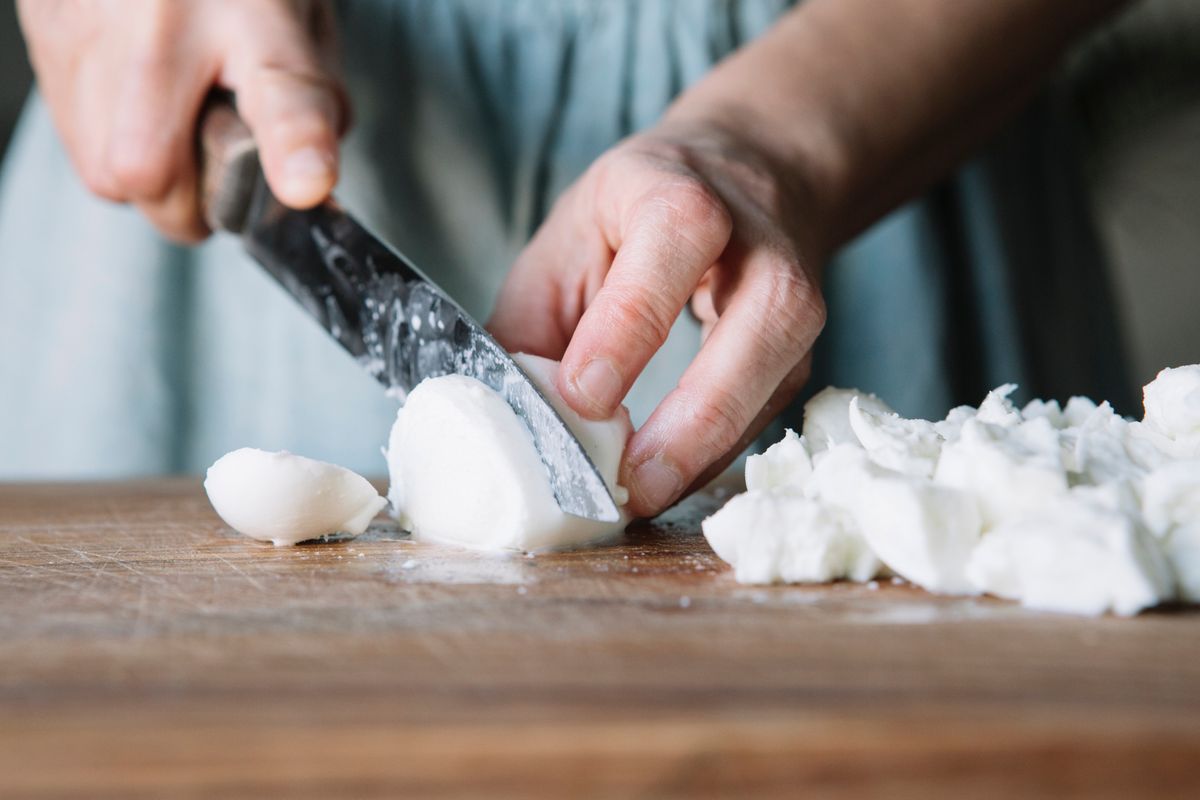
(124,355)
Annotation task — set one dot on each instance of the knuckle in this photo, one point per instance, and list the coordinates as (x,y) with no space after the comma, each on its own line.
(301,125)
(179,222)
(294,105)
(718,421)
(99,182)
(140,172)
(689,203)
(645,321)
(796,310)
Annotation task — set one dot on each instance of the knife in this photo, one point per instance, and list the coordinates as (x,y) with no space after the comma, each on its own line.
(385,312)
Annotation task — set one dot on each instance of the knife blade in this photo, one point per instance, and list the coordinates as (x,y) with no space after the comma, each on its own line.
(400,326)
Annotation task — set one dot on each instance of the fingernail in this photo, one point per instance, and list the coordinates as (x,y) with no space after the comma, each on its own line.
(306,167)
(599,384)
(657,482)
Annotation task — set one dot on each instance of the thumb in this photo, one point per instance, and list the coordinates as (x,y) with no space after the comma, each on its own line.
(296,111)
(295,120)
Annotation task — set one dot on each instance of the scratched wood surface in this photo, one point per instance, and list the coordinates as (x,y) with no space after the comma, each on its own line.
(147,651)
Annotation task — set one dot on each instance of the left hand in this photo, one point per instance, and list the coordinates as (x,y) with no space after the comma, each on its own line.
(686,210)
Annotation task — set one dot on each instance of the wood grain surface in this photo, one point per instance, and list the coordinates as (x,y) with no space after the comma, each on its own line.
(148,651)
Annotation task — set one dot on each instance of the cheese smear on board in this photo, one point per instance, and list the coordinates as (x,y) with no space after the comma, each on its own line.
(464,468)
(1071,509)
(285,498)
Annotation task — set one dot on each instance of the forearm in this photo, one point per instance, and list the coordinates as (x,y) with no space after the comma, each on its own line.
(868,102)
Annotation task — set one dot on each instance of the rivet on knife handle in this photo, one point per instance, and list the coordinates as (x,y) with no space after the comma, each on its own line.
(229,167)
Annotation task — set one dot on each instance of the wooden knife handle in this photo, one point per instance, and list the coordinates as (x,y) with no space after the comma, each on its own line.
(229,167)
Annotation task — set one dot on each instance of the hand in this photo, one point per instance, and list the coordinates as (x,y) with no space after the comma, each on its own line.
(125,82)
(687,210)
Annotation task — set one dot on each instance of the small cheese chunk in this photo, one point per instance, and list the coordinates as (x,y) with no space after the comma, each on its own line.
(1172,402)
(779,536)
(1007,469)
(827,417)
(911,446)
(285,498)
(921,531)
(1171,505)
(1073,556)
(785,464)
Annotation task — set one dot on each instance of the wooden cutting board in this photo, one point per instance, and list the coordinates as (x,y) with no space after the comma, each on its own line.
(147,651)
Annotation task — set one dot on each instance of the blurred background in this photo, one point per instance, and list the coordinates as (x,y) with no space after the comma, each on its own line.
(1138,84)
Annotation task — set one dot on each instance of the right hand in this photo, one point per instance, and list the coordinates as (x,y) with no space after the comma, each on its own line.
(125,82)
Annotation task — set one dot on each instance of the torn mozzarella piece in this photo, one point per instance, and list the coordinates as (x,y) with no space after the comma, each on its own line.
(1172,402)
(1096,448)
(997,409)
(910,446)
(1077,411)
(1171,505)
(838,475)
(1049,410)
(1182,549)
(827,417)
(464,467)
(773,536)
(785,464)
(1151,447)
(1075,557)
(1171,496)
(922,532)
(1172,421)
(951,427)
(285,499)
(1006,469)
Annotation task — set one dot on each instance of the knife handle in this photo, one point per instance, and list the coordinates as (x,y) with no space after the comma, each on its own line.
(229,167)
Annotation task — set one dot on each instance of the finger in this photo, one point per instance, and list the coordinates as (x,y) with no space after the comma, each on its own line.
(294,107)
(673,235)
(764,333)
(177,215)
(294,119)
(551,283)
(322,27)
(787,391)
(150,150)
(151,145)
(156,169)
(703,305)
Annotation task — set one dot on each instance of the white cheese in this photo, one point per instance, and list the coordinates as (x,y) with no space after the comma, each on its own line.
(827,417)
(285,498)
(1171,504)
(922,532)
(1006,469)
(1065,508)
(780,536)
(464,468)
(911,446)
(1172,402)
(1073,556)
(785,464)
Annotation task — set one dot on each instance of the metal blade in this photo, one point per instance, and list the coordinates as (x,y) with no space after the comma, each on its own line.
(402,328)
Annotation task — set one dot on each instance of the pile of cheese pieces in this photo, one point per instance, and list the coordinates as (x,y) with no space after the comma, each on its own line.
(1071,509)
